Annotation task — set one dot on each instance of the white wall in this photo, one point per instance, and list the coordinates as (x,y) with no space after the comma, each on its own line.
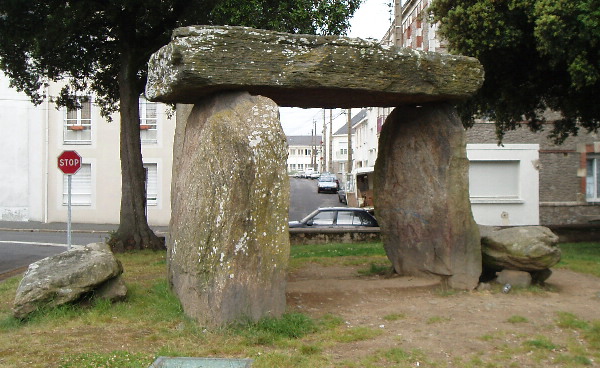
(504,184)
(21,124)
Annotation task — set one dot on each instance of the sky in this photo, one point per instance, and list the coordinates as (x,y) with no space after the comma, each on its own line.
(371,20)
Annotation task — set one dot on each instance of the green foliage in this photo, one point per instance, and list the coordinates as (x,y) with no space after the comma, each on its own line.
(376,269)
(541,342)
(337,250)
(517,319)
(581,257)
(394,316)
(116,359)
(269,330)
(537,55)
(569,320)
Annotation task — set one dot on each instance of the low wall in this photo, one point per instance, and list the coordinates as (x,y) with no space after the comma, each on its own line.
(304,236)
(576,233)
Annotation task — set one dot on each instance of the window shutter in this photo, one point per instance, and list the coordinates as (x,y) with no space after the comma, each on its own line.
(151,184)
(81,187)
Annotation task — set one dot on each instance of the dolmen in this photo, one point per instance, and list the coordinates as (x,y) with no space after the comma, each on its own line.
(228,247)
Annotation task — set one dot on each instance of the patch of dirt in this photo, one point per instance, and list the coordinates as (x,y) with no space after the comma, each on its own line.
(414,313)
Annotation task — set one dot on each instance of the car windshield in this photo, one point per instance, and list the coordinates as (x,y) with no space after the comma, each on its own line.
(327,178)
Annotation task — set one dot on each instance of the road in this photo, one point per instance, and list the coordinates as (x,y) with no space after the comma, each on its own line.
(20,248)
(304,198)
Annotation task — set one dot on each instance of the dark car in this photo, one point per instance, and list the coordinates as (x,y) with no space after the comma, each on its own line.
(337,217)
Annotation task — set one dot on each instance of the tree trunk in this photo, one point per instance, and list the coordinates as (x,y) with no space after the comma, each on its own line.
(134,232)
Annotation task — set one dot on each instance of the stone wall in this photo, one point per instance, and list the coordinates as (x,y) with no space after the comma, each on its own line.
(562,200)
(325,236)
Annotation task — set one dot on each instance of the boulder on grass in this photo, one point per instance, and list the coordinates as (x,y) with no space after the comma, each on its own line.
(524,248)
(67,277)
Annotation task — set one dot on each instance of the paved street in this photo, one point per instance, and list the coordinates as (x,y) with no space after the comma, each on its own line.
(20,248)
(304,198)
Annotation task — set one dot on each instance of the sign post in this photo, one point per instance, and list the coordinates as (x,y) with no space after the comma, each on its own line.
(69,162)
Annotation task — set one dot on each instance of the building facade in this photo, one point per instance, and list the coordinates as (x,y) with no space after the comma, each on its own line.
(34,189)
(304,152)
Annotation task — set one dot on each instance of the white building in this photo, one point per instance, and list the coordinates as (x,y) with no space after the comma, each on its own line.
(304,152)
(34,189)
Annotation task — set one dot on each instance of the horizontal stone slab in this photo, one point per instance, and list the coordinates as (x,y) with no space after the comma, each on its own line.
(304,70)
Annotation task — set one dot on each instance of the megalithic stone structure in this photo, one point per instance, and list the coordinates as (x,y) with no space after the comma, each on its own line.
(223,71)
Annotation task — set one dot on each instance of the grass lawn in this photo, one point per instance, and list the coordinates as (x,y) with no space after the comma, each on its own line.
(151,323)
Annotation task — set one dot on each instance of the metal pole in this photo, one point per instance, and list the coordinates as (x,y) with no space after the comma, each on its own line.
(69,176)
(330,162)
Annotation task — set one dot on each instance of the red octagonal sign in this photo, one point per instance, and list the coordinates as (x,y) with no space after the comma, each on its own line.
(69,162)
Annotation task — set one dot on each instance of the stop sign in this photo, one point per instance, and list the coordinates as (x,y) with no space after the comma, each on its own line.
(69,162)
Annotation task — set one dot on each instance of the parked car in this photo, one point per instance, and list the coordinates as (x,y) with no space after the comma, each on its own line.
(315,175)
(337,217)
(327,184)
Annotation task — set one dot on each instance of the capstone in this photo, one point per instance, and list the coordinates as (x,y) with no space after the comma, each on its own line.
(304,70)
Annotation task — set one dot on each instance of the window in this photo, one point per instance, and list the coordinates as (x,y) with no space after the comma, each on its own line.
(151,183)
(81,187)
(494,179)
(324,218)
(592,179)
(78,123)
(148,121)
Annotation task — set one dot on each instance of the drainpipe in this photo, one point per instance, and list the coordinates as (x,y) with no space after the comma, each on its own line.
(46,147)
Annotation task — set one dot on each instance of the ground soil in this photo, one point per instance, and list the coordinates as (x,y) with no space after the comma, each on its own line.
(446,326)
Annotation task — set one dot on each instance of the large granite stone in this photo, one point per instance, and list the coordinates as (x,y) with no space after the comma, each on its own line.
(228,247)
(523,248)
(422,196)
(304,70)
(67,277)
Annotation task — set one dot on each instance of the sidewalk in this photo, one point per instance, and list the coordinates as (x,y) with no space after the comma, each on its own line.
(36,226)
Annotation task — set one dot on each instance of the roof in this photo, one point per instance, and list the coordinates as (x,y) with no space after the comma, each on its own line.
(303,140)
(355,120)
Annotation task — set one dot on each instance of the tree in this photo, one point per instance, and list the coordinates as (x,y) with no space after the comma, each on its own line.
(538,56)
(103,46)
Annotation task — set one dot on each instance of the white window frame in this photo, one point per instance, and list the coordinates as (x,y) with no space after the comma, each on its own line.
(78,125)
(592,178)
(81,187)
(148,121)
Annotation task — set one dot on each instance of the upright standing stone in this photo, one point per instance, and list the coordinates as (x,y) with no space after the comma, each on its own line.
(229,246)
(422,196)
